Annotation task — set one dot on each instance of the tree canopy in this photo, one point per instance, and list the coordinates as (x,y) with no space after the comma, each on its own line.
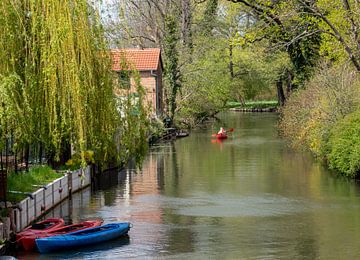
(56,84)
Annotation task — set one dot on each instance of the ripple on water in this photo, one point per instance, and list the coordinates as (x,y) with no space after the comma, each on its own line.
(225,206)
(250,206)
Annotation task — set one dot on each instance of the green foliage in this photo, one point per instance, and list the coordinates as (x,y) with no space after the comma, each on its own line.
(56,83)
(134,122)
(343,149)
(209,18)
(156,128)
(77,160)
(25,181)
(290,26)
(330,47)
(256,71)
(222,70)
(171,62)
(201,79)
(303,52)
(310,115)
(60,88)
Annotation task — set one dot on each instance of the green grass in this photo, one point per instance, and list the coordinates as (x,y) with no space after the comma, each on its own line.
(253,104)
(25,181)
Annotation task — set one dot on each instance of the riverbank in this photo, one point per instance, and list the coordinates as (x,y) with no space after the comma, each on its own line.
(250,110)
(22,184)
(323,117)
(254,106)
(41,201)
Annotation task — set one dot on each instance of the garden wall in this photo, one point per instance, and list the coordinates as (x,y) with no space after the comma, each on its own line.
(49,196)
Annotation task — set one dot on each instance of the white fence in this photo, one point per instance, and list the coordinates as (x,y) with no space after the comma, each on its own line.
(49,196)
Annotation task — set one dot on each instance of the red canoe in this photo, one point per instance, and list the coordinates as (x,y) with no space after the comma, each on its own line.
(28,242)
(40,227)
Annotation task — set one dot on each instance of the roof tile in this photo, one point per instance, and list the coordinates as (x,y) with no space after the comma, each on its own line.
(138,59)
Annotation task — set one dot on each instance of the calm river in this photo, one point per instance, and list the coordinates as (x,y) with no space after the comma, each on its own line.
(248,197)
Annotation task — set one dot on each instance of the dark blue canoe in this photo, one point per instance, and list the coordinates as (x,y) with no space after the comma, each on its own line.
(83,237)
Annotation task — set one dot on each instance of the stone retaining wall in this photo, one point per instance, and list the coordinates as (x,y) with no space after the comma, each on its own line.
(49,196)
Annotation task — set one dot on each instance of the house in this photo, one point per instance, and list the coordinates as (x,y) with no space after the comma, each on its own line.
(149,65)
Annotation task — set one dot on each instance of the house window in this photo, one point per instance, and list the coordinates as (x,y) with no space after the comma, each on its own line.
(124,79)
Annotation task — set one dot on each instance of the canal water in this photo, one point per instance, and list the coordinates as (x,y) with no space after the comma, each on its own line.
(248,197)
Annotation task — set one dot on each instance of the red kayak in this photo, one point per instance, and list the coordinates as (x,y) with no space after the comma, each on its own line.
(40,227)
(221,136)
(28,241)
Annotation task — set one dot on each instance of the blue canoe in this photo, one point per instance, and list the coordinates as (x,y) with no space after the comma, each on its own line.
(83,237)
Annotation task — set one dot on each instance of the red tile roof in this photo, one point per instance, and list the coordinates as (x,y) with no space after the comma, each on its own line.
(138,59)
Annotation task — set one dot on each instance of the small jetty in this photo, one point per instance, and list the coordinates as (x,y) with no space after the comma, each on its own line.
(173,133)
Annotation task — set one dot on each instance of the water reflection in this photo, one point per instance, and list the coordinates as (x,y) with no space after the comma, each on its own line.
(246,197)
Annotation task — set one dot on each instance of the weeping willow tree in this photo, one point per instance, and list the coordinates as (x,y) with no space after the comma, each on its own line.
(56,85)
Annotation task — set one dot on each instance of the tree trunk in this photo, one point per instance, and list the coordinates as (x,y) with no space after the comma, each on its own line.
(15,162)
(231,63)
(65,152)
(186,24)
(280,92)
(27,154)
(289,85)
(40,153)
(64,156)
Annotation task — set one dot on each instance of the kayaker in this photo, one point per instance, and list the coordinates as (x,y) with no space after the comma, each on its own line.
(222,131)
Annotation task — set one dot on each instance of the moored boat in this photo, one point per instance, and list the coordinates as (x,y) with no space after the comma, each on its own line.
(28,242)
(44,226)
(83,237)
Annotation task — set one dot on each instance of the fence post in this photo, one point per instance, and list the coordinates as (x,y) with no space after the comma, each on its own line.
(3,185)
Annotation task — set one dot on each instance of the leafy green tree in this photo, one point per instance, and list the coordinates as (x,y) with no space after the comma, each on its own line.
(335,21)
(209,18)
(56,84)
(291,27)
(171,64)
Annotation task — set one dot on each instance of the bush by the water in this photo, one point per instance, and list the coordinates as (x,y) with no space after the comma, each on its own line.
(313,117)
(344,145)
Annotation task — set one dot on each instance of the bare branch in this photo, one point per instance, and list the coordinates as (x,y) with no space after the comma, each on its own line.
(261,10)
(354,27)
(336,34)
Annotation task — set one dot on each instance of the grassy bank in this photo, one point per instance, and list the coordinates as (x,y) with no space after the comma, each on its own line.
(27,182)
(324,117)
(253,104)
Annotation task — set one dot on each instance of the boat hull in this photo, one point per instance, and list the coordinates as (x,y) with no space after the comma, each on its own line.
(83,237)
(221,136)
(28,242)
(41,227)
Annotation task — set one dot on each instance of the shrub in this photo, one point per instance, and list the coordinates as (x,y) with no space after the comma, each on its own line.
(76,161)
(344,145)
(312,112)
